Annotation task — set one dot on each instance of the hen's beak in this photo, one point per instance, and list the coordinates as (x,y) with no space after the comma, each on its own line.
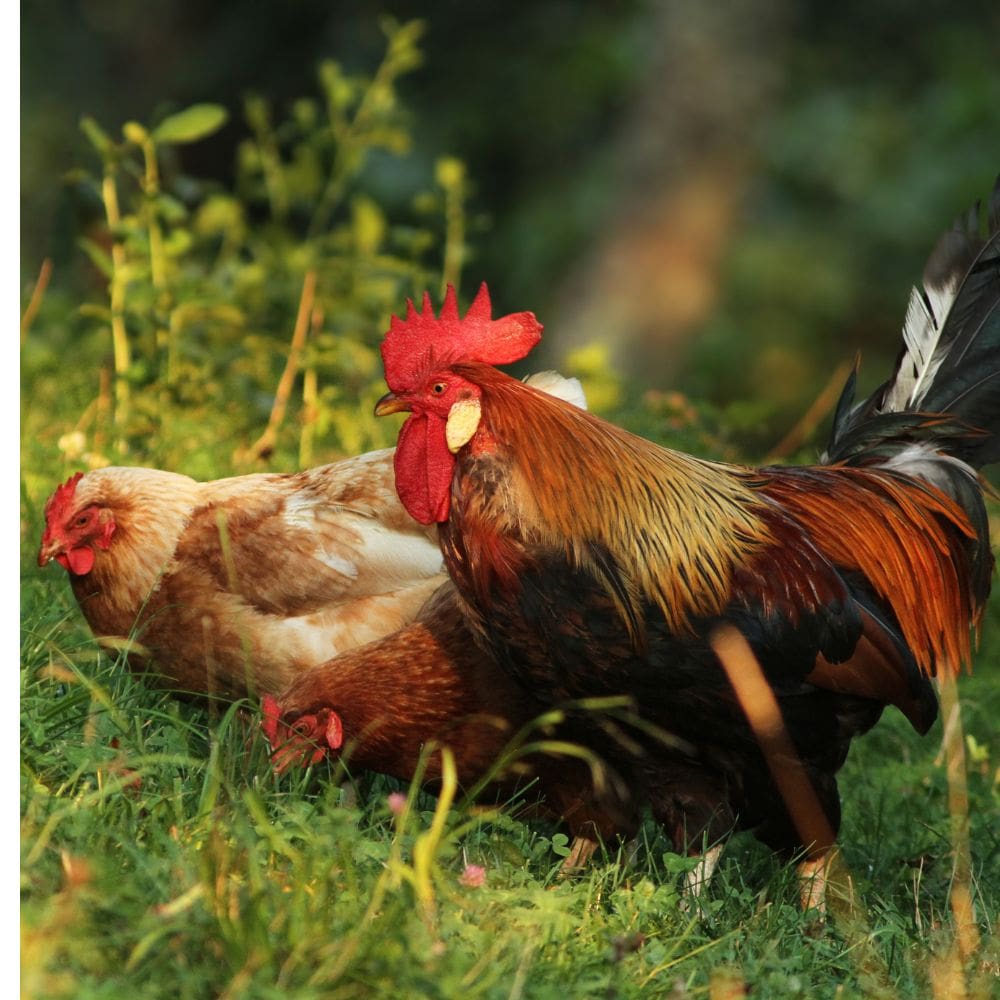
(390,403)
(49,550)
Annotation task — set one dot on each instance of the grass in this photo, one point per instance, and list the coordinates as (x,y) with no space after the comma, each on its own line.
(162,857)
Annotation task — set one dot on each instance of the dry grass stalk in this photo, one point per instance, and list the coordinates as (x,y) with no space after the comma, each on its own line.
(762,711)
(811,419)
(35,302)
(953,747)
(263,447)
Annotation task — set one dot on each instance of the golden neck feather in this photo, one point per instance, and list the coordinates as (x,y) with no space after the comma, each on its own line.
(675,525)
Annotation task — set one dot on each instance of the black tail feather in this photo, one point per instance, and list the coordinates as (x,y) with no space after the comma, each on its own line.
(945,390)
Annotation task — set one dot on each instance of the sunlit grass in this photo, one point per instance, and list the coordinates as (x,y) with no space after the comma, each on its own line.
(162,857)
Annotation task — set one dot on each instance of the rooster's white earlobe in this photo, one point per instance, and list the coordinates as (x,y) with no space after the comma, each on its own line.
(463,419)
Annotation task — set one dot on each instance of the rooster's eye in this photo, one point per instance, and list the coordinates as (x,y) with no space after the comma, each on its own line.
(439,387)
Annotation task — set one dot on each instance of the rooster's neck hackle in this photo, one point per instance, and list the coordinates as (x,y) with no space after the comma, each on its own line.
(668,527)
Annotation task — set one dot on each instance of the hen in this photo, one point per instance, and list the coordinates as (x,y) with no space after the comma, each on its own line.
(236,585)
(386,704)
(589,561)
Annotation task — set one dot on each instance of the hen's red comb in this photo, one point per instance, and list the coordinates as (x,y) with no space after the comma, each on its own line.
(299,741)
(62,497)
(270,717)
(413,345)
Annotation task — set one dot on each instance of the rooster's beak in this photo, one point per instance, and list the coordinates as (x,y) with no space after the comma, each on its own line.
(390,403)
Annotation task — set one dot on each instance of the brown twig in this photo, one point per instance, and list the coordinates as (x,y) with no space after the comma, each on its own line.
(810,420)
(761,707)
(35,302)
(264,446)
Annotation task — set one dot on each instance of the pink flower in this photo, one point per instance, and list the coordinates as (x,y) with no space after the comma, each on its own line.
(396,802)
(474,877)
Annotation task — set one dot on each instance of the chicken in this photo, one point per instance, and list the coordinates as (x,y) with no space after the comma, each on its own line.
(234,586)
(237,585)
(386,704)
(591,562)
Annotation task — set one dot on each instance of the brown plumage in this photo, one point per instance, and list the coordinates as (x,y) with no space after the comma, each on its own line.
(235,586)
(589,561)
(385,705)
(830,572)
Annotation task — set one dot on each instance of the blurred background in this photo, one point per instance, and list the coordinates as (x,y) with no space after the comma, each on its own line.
(710,206)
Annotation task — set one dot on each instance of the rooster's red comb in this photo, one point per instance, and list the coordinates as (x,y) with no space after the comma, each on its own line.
(62,497)
(422,339)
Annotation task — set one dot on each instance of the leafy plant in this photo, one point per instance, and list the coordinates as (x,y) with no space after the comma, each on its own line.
(200,282)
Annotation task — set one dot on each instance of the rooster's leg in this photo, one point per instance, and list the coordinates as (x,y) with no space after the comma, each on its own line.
(580,852)
(812,874)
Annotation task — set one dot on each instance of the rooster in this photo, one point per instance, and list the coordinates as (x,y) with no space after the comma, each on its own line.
(237,585)
(385,705)
(591,562)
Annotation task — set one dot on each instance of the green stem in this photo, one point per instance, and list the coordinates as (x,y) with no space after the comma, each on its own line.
(270,161)
(119,336)
(158,268)
(454,233)
(347,160)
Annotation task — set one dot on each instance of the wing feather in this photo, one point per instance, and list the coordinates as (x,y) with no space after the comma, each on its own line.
(296,544)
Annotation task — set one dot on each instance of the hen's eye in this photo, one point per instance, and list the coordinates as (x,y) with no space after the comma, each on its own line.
(82,520)
(439,387)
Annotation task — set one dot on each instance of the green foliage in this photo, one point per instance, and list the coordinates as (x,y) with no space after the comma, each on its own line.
(856,175)
(198,284)
(190,125)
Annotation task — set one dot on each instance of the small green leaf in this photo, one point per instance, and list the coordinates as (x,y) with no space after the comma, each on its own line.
(305,113)
(220,213)
(257,112)
(191,124)
(171,209)
(99,139)
(178,243)
(676,864)
(560,844)
(369,225)
(98,256)
(339,90)
(94,311)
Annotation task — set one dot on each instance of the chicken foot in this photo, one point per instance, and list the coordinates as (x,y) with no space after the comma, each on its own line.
(698,878)
(581,850)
